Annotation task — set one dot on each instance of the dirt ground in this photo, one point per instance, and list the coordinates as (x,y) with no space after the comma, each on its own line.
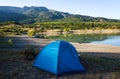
(100,61)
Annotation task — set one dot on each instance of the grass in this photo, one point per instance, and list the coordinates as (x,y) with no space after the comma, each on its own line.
(5,42)
(100,64)
(15,66)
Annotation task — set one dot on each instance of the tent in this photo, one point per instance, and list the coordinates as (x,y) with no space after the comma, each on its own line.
(58,57)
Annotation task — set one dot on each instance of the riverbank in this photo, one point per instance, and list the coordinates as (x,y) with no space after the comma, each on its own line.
(20,42)
(83,31)
(100,50)
(88,47)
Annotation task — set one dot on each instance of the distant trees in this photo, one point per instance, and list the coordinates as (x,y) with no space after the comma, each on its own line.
(10,27)
(9,22)
(80,25)
(39,27)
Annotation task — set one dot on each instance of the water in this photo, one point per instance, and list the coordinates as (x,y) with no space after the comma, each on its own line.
(111,40)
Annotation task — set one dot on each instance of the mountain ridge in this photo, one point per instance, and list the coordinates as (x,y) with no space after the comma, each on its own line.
(40,14)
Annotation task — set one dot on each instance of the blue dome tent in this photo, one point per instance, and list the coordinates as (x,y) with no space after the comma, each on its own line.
(58,57)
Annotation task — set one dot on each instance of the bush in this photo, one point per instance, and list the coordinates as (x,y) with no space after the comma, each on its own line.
(10,42)
(39,36)
(1,32)
(29,52)
(31,32)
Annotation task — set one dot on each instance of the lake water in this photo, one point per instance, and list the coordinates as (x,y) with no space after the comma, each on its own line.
(111,40)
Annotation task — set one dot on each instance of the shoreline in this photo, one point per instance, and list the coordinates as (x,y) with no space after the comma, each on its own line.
(100,48)
(83,31)
(80,47)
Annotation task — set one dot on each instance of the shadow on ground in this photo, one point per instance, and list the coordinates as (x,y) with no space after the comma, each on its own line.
(19,43)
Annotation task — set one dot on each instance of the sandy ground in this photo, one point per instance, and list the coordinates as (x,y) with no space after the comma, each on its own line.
(96,31)
(100,50)
(88,47)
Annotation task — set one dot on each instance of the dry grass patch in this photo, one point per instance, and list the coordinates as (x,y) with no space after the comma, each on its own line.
(15,66)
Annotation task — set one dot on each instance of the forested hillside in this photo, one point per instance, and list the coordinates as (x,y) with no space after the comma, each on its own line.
(29,15)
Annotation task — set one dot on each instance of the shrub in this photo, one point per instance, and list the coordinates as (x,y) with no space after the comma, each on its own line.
(39,36)
(1,32)
(10,42)
(31,32)
(29,52)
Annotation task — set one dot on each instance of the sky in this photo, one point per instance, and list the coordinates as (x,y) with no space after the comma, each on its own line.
(95,8)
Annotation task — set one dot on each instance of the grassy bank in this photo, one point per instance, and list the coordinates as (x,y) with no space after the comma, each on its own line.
(15,66)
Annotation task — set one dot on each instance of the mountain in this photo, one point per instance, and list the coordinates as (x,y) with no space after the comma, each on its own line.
(39,14)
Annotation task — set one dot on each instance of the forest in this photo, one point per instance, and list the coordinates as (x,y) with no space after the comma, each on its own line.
(17,28)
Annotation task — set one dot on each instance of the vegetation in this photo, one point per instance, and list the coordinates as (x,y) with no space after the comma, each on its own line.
(31,32)
(30,15)
(79,25)
(10,42)
(102,63)
(29,52)
(13,28)
(5,42)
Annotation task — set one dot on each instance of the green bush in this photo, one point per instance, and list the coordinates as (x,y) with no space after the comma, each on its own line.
(31,32)
(1,32)
(10,42)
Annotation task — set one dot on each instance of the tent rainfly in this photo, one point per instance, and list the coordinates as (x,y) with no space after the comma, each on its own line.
(58,57)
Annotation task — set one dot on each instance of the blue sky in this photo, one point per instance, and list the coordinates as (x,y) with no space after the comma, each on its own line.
(96,8)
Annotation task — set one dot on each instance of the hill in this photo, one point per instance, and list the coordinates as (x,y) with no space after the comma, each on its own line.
(39,14)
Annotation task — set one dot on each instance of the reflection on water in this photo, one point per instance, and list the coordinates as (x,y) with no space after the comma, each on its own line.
(111,40)
(80,38)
